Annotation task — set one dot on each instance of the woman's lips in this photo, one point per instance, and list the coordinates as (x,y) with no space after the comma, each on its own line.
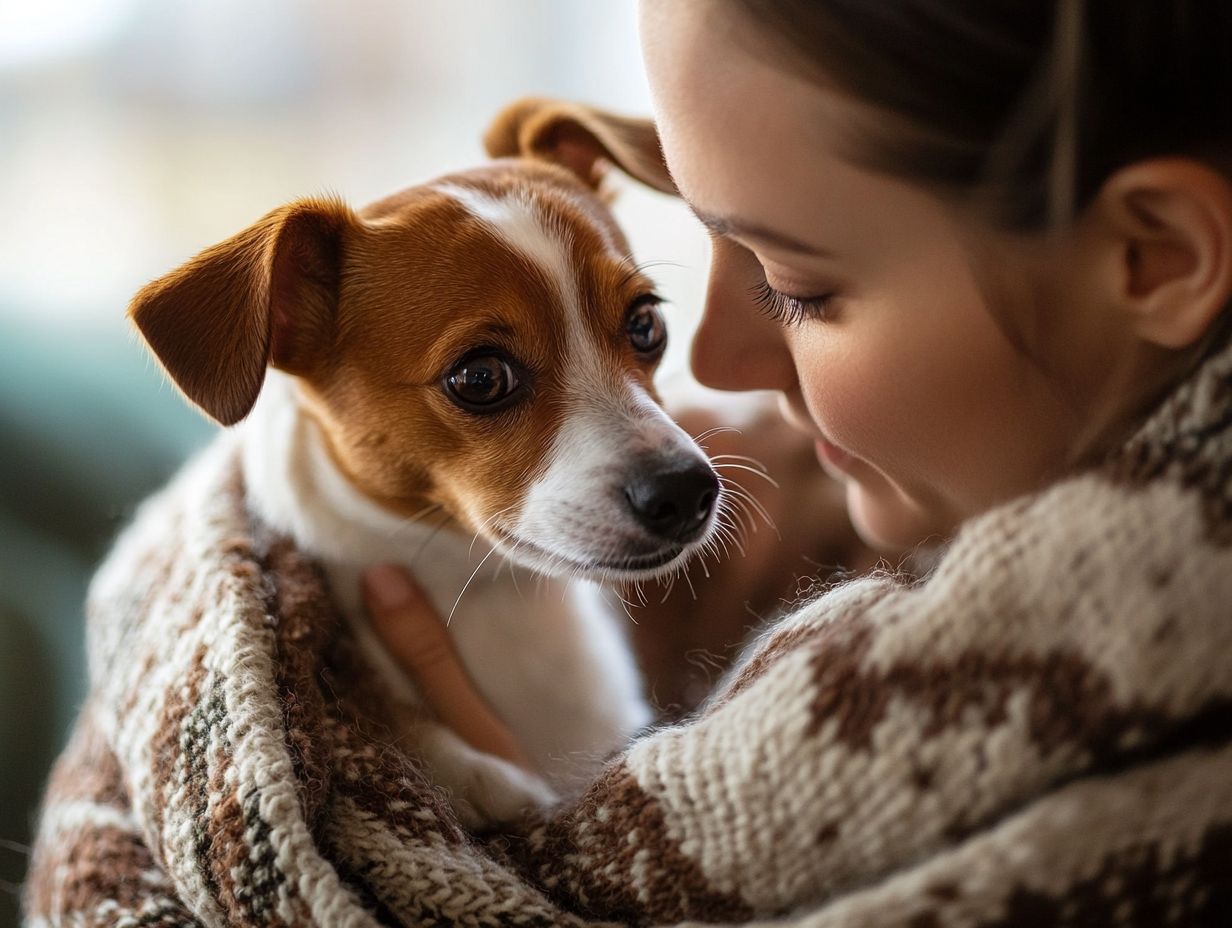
(832,457)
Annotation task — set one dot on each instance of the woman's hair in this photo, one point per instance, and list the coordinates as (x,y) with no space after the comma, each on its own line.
(1025,105)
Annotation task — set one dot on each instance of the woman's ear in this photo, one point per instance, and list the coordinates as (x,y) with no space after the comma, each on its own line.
(266,296)
(1171,226)
(581,138)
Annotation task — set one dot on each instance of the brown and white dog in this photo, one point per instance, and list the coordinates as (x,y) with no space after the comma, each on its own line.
(476,351)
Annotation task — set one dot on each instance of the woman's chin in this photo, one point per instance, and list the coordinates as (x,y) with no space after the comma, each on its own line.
(887,522)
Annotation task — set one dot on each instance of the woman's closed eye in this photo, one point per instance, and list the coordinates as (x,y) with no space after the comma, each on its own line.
(790,310)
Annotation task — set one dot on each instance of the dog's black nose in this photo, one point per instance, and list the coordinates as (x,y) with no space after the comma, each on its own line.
(673,503)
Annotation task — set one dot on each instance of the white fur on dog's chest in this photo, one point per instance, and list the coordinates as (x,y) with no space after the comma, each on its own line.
(555,667)
(546,654)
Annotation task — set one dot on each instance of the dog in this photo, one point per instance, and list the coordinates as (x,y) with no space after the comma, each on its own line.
(458,379)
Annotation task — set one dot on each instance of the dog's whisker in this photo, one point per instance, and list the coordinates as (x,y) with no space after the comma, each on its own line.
(689,581)
(708,550)
(490,520)
(728,527)
(634,589)
(741,457)
(466,586)
(739,546)
(715,431)
(431,535)
(743,525)
(730,504)
(625,605)
(740,493)
(413,520)
(470,549)
(735,508)
(671,585)
(513,573)
(721,537)
(635,269)
(729,465)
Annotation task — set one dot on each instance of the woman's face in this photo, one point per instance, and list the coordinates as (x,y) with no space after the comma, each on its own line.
(888,349)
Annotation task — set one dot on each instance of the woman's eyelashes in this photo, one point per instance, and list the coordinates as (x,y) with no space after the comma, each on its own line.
(790,310)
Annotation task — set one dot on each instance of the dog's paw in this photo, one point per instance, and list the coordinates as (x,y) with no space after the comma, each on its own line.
(484,790)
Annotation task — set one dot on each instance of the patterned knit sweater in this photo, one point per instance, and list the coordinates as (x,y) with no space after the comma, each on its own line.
(1038,734)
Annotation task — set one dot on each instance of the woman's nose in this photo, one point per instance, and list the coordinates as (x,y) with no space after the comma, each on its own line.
(736,347)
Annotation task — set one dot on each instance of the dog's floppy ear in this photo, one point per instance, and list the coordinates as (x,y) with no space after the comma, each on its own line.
(580,138)
(266,296)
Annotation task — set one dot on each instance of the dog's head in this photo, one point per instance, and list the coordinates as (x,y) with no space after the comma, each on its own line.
(483,343)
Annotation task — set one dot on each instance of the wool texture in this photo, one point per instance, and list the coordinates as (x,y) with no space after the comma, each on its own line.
(1037,733)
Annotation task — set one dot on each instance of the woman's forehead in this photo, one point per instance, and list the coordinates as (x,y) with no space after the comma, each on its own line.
(761,154)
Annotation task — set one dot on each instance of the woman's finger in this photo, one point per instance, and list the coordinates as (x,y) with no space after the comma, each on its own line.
(413,632)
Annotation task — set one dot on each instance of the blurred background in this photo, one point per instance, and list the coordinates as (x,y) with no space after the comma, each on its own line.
(134,133)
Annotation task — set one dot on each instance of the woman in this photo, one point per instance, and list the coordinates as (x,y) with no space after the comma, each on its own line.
(983,252)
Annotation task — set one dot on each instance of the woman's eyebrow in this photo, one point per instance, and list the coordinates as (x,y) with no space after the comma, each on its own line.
(741,229)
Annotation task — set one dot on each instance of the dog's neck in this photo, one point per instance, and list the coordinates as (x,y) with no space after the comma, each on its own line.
(533,644)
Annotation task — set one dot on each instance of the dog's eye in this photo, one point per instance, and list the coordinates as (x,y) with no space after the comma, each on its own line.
(480,383)
(645,326)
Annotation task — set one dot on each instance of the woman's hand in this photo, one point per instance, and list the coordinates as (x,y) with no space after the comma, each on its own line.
(415,635)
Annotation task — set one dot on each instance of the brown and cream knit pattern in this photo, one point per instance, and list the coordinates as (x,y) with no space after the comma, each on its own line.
(1038,734)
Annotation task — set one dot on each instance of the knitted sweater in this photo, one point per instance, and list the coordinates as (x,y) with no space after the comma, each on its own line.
(1038,733)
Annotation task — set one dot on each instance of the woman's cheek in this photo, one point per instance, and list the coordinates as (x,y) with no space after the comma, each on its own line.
(877,393)
(857,394)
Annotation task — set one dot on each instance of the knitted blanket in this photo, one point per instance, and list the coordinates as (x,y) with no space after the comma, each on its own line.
(1037,734)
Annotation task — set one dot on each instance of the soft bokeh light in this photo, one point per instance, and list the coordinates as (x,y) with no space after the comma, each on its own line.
(36,32)
(175,122)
